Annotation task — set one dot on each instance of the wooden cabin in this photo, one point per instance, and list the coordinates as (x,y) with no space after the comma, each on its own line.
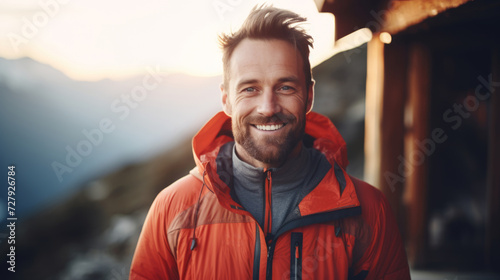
(432,123)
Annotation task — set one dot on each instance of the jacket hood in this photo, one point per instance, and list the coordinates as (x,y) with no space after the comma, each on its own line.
(320,133)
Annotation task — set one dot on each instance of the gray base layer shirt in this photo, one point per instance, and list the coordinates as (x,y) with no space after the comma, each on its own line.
(290,184)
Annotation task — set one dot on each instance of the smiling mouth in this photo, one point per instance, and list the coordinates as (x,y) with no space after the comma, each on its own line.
(269,127)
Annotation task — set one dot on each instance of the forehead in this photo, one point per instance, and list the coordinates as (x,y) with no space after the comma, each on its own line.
(265,59)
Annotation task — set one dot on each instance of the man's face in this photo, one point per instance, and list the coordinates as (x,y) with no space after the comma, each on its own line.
(267,99)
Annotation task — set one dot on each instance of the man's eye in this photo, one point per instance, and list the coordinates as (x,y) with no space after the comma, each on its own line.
(287,89)
(250,89)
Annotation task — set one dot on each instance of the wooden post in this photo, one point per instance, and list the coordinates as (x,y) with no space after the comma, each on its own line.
(392,128)
(384,129)
(416,122)
(373,110)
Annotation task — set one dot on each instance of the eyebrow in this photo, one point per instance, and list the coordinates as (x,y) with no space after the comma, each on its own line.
(289,79)
(280,80)
(246,82)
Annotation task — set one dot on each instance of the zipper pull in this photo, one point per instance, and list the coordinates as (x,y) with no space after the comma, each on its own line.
(297,254)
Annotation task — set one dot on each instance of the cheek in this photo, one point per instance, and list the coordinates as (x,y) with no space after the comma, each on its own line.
(238,117)
(242,108)
(295,103)
(297,107)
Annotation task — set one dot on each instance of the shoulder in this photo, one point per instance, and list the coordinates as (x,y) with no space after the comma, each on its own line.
(368,195)
(374,205)
(153,257)
(177,197)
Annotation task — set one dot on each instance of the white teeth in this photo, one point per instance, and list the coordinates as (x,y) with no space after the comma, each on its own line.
(269,127)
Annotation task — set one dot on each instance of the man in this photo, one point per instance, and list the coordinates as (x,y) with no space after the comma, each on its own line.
(270,198)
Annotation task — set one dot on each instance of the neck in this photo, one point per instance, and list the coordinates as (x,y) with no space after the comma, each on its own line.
(291,170)
(244,156)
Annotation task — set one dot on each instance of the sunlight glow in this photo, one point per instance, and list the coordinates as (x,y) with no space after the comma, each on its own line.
(93,39)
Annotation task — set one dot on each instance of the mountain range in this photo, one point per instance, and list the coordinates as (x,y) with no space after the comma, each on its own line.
(61,133)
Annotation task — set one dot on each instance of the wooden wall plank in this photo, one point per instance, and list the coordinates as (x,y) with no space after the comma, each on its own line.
(416,123)
(373,110)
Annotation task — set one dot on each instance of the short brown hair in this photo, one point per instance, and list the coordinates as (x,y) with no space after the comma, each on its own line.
(269,23)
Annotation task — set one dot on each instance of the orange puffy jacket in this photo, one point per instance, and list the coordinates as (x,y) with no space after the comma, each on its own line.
(195,230)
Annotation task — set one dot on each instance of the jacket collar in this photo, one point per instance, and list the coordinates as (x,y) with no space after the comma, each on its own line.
(336,191)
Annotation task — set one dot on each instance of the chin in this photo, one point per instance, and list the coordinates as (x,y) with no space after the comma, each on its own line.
(270,156)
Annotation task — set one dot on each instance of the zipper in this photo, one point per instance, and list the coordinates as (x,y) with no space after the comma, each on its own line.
(296,256)
(268,217)
(256,260)
(270,254)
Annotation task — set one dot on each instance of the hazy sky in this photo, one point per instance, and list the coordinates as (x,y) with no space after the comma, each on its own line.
(95,39)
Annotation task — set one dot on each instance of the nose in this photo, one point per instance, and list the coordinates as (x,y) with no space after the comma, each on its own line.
(268,103)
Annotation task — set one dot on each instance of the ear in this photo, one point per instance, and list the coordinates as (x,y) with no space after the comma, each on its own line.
(310,97)
(226,105)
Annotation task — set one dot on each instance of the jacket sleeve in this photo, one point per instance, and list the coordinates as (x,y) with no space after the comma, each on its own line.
(153,258)
(382,255)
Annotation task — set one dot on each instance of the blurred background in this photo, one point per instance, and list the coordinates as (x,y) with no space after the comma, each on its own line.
(99,102)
